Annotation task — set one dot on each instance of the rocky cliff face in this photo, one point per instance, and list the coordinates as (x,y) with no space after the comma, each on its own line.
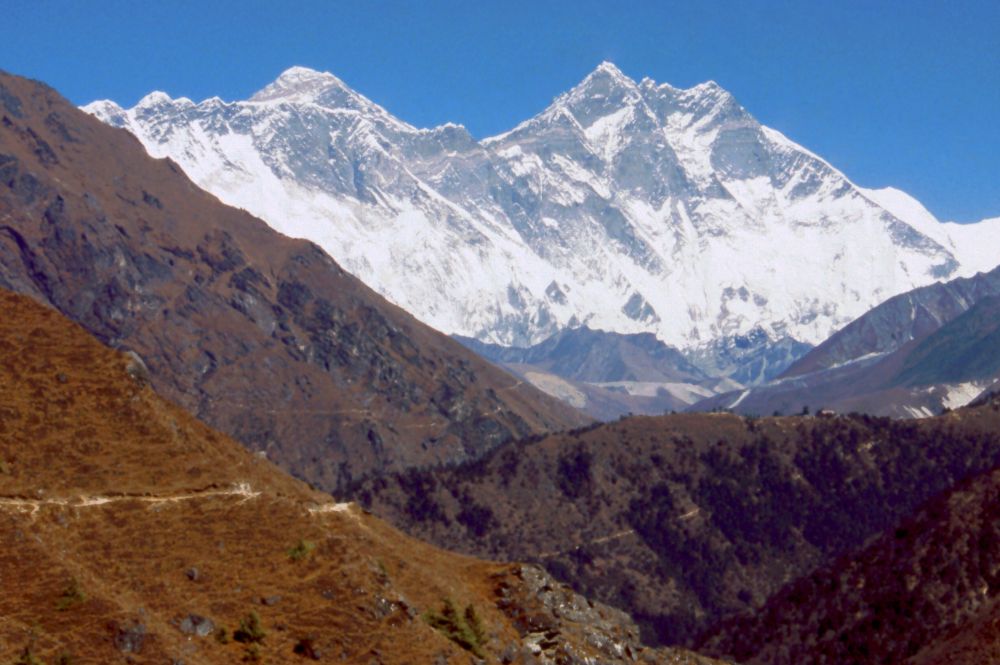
(629,207)
(263,336)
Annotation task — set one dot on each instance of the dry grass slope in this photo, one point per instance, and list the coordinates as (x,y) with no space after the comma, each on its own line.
(132,532)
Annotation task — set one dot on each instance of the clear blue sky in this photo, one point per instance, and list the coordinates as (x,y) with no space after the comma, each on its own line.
(902,93)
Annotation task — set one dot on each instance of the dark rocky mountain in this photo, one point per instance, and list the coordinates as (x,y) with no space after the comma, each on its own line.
(685,520)
(751,358)
(925,591)
(597,356)
(133,533)
(966,348)
(606,374)
(262,336)
(914,355)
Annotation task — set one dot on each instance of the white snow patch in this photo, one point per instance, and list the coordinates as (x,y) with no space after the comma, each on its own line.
(739,400)
(960,394)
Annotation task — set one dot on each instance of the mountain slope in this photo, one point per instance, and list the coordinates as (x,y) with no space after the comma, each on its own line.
(901,319)
(606,374)
(919,352)
(685,520)
(926,591)
(262,336)
(976,242)
(967,347)
(597,356)
(625,206)
(134,533)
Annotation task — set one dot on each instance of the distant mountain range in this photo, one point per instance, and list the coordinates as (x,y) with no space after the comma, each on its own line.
(607,374)
(624,206)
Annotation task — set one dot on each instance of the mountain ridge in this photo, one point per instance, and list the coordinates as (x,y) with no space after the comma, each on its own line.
(912,356)
(582,214)
(923,591)
(263,336)
(685,520)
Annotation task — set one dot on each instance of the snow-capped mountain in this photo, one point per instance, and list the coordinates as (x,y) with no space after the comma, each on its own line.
(625,206)
(915,354)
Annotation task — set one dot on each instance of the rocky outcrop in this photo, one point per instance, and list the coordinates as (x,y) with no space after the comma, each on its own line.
(560,627)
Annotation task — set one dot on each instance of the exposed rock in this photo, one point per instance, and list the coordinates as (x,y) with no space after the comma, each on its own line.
(195,624)
(136,368)
(129,637)
(560,627)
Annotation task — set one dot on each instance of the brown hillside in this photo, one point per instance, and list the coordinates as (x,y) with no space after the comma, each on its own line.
(685,520)
(134,533)
(262,336)
(924,592)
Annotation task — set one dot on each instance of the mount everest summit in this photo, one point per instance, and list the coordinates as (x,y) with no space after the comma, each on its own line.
(624,206)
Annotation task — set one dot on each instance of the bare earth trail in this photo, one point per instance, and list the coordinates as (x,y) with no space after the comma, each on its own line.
(242,490)
(691,514)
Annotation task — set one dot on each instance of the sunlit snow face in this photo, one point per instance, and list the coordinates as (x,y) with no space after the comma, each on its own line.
(648,206)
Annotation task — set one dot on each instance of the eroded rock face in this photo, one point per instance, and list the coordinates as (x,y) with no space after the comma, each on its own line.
(558,626)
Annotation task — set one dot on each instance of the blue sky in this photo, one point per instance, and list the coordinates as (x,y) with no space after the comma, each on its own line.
(893,93)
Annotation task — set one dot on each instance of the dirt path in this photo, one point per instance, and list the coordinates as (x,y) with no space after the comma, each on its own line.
(243,491)
(32,506)
(330,508)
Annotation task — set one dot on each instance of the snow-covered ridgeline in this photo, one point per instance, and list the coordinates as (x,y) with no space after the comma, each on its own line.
(627,206)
